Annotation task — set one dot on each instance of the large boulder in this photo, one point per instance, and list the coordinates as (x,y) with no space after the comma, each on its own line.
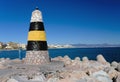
(101,59)
(88,79)
(52,80)
(77,74)
(59,58)
(113,73)
(66,57)
(66,60)
(77,58)
(114,64)
(2,66)
(101,76)
(76,62)
(85,59)
(118,78)
(118,67)
(40,78)
(67,80)
(12,80)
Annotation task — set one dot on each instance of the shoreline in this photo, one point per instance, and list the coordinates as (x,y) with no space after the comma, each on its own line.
(61,48)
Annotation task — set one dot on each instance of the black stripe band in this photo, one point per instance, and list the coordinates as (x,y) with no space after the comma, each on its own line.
(36,26)
(37,45)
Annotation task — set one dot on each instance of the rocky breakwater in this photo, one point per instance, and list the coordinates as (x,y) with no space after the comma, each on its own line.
(61,69)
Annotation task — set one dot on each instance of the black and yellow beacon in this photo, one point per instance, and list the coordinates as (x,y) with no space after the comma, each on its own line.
(37,49)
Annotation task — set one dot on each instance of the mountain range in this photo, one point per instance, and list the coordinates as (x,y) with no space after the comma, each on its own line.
(95,45)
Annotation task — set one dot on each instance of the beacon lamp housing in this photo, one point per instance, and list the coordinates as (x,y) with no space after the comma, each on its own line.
(36,16)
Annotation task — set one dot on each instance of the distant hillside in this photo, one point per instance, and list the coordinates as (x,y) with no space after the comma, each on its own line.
(95,45)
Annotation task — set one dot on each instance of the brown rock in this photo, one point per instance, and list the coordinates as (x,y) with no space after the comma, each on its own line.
(112,73)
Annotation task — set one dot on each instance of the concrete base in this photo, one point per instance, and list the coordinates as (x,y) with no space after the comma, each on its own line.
(37,57)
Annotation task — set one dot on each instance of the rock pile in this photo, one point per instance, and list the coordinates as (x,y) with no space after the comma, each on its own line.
(61,69)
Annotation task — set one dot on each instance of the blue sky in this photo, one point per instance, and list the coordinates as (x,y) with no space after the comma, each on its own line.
(65,21)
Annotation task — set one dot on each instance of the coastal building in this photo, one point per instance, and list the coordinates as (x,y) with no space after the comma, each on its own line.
(37,50)
(60,46)
(23,46)
(8,47)
(1,45)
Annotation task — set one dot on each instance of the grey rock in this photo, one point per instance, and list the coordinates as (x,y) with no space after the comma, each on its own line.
(101,76)
(77,58)
(12,80)
(88,79)
(107,69)
(52,80)
(101,59)
(114,64)
(85,59)
(66,57)
(118,67)
(81,80)
(118,78)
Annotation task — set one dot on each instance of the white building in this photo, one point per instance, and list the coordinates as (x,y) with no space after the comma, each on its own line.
(8,47)
(23,46)
(0,45)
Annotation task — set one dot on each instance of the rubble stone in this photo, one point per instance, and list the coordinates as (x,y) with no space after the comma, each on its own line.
(37,57)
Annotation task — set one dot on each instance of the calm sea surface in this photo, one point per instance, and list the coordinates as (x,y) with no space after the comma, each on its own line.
(110,54)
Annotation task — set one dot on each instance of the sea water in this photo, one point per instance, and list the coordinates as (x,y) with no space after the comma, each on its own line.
(110,54)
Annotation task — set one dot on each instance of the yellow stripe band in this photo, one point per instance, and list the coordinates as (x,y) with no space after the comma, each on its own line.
(36,36)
